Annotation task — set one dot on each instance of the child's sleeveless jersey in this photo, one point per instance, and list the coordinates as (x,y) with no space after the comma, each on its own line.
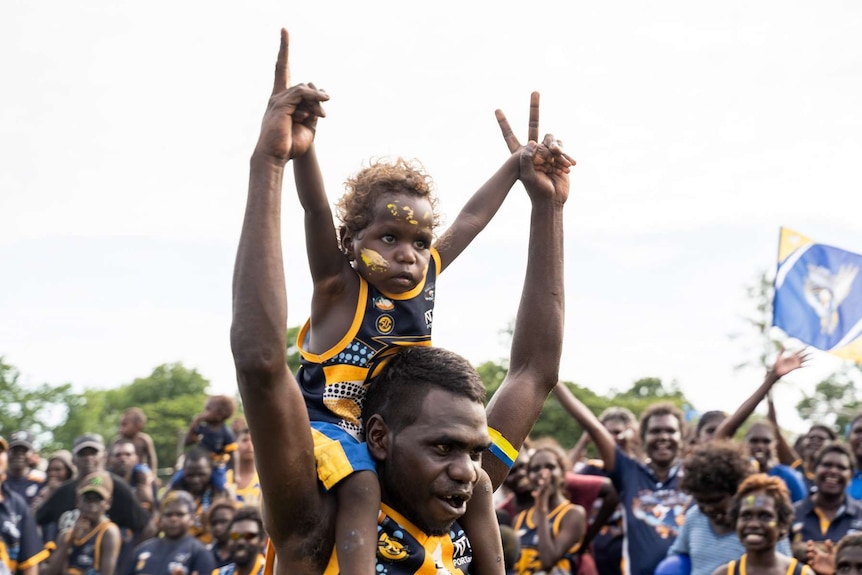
(334,382)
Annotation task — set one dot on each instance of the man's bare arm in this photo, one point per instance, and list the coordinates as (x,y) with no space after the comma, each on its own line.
(273,403)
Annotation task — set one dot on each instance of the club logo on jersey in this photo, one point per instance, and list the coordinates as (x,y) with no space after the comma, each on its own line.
(142,559)
(390,549)
(383,304)
(385,323)
(429,293)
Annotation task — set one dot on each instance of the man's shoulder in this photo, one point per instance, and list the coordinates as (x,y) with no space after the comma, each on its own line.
(13,500)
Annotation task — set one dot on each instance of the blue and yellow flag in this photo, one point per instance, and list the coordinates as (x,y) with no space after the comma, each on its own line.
(818,295)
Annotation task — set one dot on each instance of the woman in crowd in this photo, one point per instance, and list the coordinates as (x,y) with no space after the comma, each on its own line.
(552,529)
(828,513)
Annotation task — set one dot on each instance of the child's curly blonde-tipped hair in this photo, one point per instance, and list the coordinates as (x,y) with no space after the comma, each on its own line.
(354,209)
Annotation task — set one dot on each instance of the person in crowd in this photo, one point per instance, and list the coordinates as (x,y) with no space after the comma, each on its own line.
(20,476)
(712,473)
(707,426)
(762,512)
(243,481)
(210,432)
(551,531)
(651,498)
(123,461)
(92,545)
(176,552)
(21,548)
(760,437)
(218,519)
(518,486)
(854,439)
(425,424)
(197,480)
(59,511)
(60,469)
(605,532)
(828,513)
(131,427)
(844,558)
(801,457)
(247,540)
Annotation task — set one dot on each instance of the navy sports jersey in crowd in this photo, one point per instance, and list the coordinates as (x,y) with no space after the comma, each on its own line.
(85,553)
(20,544)
(653,511)
(162,556)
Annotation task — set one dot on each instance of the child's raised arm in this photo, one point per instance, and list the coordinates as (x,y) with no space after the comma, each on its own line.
(325,259)
(483,205)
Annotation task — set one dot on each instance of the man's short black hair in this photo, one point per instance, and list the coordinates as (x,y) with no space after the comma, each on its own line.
(398,391)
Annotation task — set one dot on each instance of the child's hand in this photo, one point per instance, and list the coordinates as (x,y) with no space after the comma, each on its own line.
(544,167)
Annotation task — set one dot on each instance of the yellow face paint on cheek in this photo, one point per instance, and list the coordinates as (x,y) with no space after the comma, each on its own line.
(373,260)
(773,523)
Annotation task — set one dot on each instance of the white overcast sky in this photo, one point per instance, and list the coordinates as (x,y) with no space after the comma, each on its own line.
(699,128)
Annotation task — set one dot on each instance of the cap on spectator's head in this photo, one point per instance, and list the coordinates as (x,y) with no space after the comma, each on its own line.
(3,445)
(93,440)
(21,439)
(98,482)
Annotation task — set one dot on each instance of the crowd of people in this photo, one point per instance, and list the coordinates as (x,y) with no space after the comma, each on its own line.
(100,509)
(379,456)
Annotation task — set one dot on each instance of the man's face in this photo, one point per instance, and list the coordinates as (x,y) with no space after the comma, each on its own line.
(219,523)
(244,447)
(88,460)
(123,458)
(662,439)
(245,542)
(19,459)
(197,475)
(759,442)
(176,520)
(433,464)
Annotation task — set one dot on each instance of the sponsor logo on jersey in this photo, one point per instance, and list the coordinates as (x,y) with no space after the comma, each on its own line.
(385,323)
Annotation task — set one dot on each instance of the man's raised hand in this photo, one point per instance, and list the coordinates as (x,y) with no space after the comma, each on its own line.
(288,126)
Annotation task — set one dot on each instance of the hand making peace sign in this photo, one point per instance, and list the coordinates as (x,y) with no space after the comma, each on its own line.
(544,167)
(288,126)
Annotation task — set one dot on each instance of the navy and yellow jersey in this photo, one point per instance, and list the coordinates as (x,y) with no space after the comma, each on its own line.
(738,567)
(403,549)
(811,524)
(20,544)
(528,535)
(334,382)
(230,568)
(85,554)
(219,440)
(163,556)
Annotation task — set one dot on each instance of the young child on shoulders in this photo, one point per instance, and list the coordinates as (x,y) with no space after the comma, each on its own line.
(209,430)
(374,289)
(131,426)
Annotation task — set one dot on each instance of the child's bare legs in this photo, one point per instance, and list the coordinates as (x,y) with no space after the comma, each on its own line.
(358,498)
(483,531)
